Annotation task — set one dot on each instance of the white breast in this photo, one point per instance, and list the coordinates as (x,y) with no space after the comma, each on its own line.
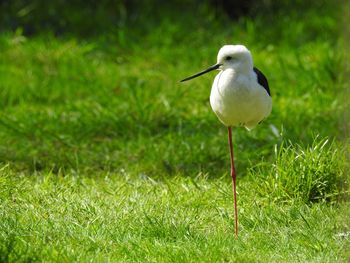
(238,99)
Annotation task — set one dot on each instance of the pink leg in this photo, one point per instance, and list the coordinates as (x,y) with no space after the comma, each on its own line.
(233,175)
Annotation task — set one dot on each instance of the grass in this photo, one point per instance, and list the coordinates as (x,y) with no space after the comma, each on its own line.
(306,174)
(136,218)
(106,157)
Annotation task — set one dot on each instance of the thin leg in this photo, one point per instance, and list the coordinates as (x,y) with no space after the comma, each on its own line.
(233,175)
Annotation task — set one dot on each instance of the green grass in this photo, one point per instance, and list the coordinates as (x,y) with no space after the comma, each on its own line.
(136,218)
(105,156)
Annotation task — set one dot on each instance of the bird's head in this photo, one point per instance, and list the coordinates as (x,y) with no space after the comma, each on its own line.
(236,57)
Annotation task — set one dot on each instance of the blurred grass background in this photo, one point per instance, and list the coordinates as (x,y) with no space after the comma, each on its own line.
(92,113)
(88,86)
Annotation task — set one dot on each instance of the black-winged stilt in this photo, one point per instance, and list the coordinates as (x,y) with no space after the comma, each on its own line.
(240,96)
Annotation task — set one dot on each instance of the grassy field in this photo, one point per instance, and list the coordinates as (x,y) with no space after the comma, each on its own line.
(105,156)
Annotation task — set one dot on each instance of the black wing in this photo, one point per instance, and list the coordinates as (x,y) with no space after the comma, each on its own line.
(262,80)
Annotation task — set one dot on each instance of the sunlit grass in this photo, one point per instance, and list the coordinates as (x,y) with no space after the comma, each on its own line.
(305,174)
(135,218)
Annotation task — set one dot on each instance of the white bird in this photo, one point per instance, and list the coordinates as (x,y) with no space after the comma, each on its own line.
(240,96)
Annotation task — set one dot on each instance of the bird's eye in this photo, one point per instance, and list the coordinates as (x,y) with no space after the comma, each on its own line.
(228,58)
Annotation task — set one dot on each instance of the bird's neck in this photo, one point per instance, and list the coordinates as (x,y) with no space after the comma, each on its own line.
(241,70)
(245,68)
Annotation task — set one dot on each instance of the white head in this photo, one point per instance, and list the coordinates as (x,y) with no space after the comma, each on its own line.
(236,57)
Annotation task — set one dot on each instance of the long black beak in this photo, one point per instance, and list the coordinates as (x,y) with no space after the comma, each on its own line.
(216,66)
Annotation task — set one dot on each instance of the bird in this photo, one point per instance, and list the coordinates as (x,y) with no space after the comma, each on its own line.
(240,96)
